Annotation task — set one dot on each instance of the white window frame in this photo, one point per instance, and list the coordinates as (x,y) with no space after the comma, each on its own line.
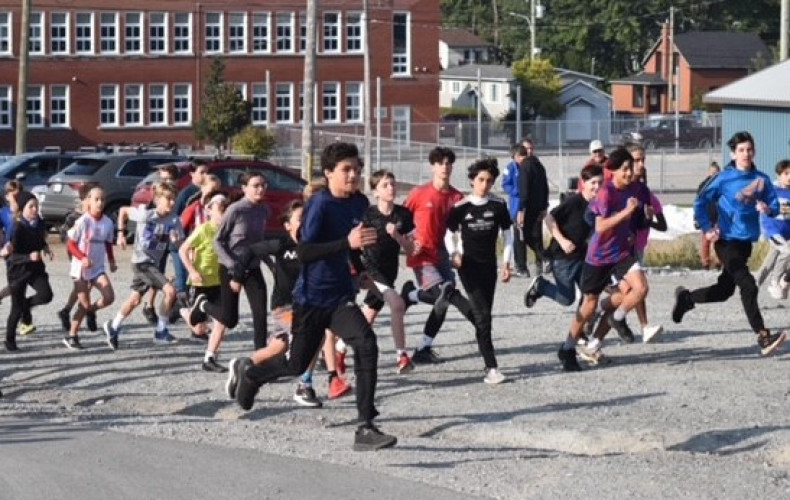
(55,97)
(237,33)
(83,33)
(355,33)
(6,105)
(281,23)
(493,92)
(330,102)
(152,97)
(158,21)
(302,32)
(259,111)
(401,60)
(63,37)
(401,124)
(456,87)
(280,106)
(213,43)
(242,88)
(35,38)
(133,99)
(106,98)
(132,39)
(35,93)
(182,92)
(354,102)
(182,33)
(261,33)
(114,39)
(330,32)
(6,34)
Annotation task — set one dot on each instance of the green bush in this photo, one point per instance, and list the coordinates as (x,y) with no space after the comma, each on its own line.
(255,141)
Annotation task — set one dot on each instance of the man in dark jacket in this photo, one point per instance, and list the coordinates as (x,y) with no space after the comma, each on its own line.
(534,201)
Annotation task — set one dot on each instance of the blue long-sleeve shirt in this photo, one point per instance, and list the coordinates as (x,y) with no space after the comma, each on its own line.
(510,186)
(736,193)
(779,224)
(7,221)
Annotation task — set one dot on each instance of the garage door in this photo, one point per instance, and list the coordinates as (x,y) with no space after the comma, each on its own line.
(578,125)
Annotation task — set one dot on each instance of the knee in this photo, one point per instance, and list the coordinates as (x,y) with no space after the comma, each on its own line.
(169,291)
(135,300)
(397,306)
(46,296)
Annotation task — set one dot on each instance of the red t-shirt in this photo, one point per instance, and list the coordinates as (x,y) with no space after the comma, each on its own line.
(431,208)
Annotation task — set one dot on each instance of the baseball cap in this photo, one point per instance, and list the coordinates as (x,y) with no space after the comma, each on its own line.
(595,144)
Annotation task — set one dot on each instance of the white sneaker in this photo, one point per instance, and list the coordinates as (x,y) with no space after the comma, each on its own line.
(649,333)
(776,291)
(494,376)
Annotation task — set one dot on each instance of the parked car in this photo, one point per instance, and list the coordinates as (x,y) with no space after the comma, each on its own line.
(35,169)
(117,174)
(284,185)
(660,132)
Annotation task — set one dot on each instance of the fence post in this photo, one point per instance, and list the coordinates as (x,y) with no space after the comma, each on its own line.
(662,168)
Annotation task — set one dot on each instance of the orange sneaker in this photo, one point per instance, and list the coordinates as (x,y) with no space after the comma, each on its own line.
(404,364)
(338,388)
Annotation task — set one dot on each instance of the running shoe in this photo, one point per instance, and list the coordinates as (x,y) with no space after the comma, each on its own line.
(531,296)
(404,364)
(246,390)
(650,332)
(211,365)
(73,343)
(769,342)
(369,438)
(683,304)
(90,321)
(163,337)
(111,334)
(305,396)
(196,312)
(568,360)
(591,356)
(622,329)
(407,288)
(65,320)
(338,388)
(27,328)
(425,356)
(233,378)
(493,377)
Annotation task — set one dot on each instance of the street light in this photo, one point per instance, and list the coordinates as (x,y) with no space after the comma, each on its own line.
(535,12)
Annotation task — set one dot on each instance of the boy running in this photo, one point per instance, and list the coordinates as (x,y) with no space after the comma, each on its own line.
(777,231)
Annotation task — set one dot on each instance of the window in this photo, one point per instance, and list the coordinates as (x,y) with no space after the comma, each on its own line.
(354,32)
(137,167)
(331,32)
(5,36)
(133,105)
(213,32)
(5,106)
(401,123)
(493,92)
(237,32)
(157,104)
(456,87)
(302,32)
(260,104)
(241,88)
(639,96)
(260,32)
(108,105)
(35,37)
(108,33)
(353,102)
(285,31)
(400,44)
(283,99)
(134,33)
(182,104)
(301,102)
(35,106)
(59,106)
(59,33)
(182,33)
(330,101)
(157,32)
(83,35)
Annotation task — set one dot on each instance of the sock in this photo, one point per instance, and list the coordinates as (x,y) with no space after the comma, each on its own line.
(340,346)
(116,322)
(569,344)
(208,355)
(161,323)
(307,378)
(594,344)
(426,341)
(619,314)
(399,353)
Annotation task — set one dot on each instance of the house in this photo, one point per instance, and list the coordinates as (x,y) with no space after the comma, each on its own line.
(701,61)
(132,72)
(459,46)
(458,86)
(760,104)
(587,115)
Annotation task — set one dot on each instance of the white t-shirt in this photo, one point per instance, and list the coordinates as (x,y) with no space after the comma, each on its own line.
(91,236)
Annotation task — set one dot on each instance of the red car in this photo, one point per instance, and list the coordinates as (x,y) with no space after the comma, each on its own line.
(284,185)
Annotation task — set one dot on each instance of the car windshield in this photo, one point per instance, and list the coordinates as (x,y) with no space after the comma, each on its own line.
(11,163)
(85,166)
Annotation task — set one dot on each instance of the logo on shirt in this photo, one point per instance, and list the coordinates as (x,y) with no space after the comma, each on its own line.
(469,217)
(488,214)
(290,255)
(748,194)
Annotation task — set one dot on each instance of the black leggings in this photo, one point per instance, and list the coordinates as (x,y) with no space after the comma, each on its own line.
(346,321)
(533,237)
(479,281)
(227,311)
(435,321)
(21,305)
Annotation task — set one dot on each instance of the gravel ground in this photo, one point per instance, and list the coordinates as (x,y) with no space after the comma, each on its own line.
(697,415)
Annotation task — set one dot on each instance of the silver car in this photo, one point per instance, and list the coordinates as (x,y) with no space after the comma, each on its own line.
(117,174)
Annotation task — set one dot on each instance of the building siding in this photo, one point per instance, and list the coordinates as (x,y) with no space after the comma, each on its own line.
(768,126)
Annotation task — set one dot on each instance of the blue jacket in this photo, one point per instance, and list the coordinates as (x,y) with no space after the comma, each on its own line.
(736,193)
(510,186)
(780,223)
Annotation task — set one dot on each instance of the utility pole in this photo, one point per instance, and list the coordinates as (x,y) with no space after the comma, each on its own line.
(308,113)
(367,156)
(669,56)
(532,30)
(676,96)
(784,20)
(21,91)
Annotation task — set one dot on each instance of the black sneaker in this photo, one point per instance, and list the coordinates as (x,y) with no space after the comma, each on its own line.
(10,345)
(65,320)
(233,378)
(150,314)
(73,343)
(683,304)
(443,301)
(769,343)
(246,390)
(111,335)
(196,313)
(531,296)
(369,438)
(212,366)
(305,396)
(568,359)
(425,356)
(622,329)
(407,288)
(90,321)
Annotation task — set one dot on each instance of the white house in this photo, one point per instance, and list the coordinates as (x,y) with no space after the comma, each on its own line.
(459,46)
(459,84)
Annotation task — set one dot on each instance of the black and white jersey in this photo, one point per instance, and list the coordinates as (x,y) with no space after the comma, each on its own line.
(479,220)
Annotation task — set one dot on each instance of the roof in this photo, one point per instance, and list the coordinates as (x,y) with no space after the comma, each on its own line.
(642,79)
(487,72)
(583,83)
(569,75)
(458,37)
(720,49)
(764,88)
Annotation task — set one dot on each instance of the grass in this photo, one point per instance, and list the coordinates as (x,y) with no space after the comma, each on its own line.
(684,252)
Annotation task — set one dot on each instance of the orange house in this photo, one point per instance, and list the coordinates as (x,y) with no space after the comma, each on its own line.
(700,61)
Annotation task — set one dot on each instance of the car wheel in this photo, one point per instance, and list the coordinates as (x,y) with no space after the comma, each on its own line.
(705,143)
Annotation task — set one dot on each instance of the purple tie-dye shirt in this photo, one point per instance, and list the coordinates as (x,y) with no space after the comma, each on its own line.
(614,245)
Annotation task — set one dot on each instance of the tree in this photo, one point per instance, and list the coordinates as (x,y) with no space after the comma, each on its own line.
(540,88)
(224,112)
(255,141)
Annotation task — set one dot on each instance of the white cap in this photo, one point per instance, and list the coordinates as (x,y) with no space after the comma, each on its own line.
(217,198)
(595,144)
